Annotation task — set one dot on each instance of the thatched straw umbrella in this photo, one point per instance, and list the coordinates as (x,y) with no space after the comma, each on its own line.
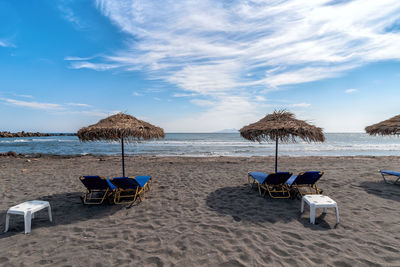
(387,127)
(120,127)
(281,125)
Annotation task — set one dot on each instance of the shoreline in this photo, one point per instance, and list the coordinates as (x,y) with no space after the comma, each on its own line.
(13,154)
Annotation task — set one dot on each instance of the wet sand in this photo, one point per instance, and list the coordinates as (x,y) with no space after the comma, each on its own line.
(200,212)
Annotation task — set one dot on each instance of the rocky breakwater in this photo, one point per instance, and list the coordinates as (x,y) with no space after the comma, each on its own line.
(30,134)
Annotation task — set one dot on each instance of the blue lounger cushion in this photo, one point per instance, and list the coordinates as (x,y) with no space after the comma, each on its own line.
(309,177)
(277,178)
(291,180)
(270,178)
(142,180)
(391,173)
(97,189)
(97,183)
(131,183)
(259,176)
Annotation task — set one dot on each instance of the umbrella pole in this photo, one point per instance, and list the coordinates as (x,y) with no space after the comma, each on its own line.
(123,157)
(276,155)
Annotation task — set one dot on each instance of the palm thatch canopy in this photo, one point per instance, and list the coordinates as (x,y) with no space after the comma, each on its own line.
(284,126)
(119,126)
(387,127)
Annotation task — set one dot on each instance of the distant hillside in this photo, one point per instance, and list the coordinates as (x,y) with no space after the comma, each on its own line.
(228,131)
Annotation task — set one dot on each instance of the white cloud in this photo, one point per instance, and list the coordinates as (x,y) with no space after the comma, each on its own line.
(214,46)
(93,66)
(79,105)
(206,79)
(68,108)
(350,91)
(90,113)
(69,15)
(224,113)
(260,98)
(300,105)
(230,50)
(202,102)
(32,104)
(183,95)
(154,90)
(6,43)
(137,94)
(69,58)
(24,96)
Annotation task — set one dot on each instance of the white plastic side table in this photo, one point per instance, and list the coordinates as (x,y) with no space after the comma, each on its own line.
(28,209)
(319,201)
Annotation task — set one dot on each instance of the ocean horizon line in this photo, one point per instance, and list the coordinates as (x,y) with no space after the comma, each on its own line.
(209,145)
(174,132)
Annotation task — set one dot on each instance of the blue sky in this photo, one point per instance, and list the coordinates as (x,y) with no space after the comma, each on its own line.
(198,66)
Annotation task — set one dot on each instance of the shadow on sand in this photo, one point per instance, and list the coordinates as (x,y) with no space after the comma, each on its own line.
(382,189)
(66,208)
(245,204)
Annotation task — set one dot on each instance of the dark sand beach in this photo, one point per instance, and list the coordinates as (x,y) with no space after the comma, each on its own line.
(200,212)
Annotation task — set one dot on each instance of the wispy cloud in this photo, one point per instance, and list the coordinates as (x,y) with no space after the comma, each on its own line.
(300,105)
(69,58)
(137,94)
(222,113)
(69,15)
(67,108)
(183,95)
(33,104)
(24,96)
(93,66)
(202,102)
(219,48)
(90,113)
(154,90)
(6,43)
(260,98)
(351,91)
(79,105)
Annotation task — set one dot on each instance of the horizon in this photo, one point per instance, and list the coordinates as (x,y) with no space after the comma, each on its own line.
(198,68)
(217,132)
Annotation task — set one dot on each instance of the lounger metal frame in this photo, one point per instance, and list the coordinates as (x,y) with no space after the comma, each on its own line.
(389,182)
(309,189)
(120,194)
(276,189)
(253,183)
(272,189)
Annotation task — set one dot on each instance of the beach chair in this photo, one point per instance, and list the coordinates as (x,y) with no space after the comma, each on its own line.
(256,178)
(305,183)
(97,189)
(390,173)
(130,189)
(273,183)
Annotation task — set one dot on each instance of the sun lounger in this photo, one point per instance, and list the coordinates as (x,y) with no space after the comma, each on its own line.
(274,183)
(305,183)
(256,178)
(390,173)
(130,189)
(97,189)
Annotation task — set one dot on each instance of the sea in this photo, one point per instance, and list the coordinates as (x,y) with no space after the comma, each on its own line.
(209,145)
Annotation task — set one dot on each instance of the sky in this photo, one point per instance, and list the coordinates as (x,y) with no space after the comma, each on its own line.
(198,66)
